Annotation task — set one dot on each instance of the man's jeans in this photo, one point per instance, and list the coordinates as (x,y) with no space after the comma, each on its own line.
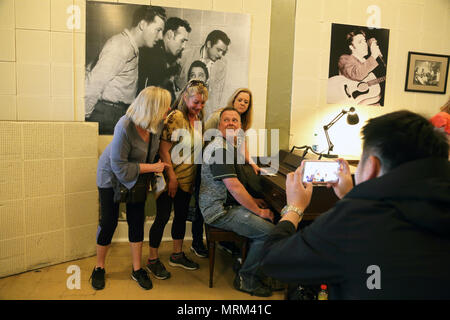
(247,224)
(107,114)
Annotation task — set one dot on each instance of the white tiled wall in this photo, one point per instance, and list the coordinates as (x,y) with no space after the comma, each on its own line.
(48,195)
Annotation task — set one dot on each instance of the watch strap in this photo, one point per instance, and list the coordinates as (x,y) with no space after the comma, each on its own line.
(295,209)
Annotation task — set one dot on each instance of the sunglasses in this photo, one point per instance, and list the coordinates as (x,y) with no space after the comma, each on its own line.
(195,83)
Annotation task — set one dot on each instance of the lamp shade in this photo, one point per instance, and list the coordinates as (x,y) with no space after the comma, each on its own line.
(352,117)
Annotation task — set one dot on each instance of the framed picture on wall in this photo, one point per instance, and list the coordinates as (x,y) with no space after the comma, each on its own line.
(426,72)
(358,65)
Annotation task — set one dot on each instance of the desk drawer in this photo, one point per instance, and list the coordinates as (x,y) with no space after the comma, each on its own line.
(274,197)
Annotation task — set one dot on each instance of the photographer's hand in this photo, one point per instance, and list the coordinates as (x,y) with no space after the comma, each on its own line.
(345,182)
(297,195)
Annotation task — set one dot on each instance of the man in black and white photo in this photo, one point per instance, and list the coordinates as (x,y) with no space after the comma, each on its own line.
(159,65)
(212,55)
(111,80)
(357,66)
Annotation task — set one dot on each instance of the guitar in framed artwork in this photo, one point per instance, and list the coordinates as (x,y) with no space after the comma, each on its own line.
(344,90)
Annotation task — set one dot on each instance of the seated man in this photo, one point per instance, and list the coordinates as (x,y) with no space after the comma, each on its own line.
(225,201)
(389,236)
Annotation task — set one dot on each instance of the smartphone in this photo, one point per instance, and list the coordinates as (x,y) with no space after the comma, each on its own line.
(320,172)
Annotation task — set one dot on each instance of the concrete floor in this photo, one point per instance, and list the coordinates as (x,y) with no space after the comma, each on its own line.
(51,282)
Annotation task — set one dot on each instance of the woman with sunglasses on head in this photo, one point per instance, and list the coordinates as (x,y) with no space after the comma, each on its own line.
(179,177)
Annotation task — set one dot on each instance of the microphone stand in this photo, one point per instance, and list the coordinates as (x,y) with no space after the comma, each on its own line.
(381,58)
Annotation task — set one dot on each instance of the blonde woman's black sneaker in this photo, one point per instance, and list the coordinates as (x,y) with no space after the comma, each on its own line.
(141,277)
(98,278)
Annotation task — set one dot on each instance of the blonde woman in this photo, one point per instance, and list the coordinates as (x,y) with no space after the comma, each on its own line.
(122,161)
(179,177)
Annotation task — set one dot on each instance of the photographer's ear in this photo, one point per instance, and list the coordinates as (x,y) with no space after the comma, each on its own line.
(372,168)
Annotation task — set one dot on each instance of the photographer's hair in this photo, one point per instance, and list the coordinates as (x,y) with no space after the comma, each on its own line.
(148,13)
(192,88)
(247,116)
(198,64)
(402,136)
(148,109)
(216,35)
(173,23)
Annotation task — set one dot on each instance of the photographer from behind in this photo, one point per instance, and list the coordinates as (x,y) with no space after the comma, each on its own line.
(395,220)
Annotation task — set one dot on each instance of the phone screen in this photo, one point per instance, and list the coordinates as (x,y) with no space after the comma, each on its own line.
(320,171)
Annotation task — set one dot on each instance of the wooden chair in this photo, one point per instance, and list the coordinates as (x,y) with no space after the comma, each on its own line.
(213,235)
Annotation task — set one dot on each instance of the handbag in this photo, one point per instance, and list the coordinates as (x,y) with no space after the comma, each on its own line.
(138,193)
(158,184)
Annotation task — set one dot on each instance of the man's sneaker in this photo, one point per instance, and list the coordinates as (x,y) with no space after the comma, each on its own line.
(200,250)
(141,277)
(98,278)
(180,260)
(237,264)
(158,270)
(274,284)
(260,290)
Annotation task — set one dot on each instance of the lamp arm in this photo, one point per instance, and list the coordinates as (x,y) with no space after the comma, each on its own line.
(328,126)
(336,119)
(330,144)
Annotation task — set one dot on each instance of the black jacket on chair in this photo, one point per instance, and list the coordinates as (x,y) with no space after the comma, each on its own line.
(388,238)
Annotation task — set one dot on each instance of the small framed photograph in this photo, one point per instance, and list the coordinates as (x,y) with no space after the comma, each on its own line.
(426,72)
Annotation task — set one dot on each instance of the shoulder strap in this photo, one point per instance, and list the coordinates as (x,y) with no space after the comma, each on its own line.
(149,147)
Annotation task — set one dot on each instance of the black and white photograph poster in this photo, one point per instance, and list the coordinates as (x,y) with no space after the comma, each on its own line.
(130,47)
(358,65)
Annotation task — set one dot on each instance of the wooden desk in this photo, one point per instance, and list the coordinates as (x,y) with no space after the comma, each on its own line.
(275,196)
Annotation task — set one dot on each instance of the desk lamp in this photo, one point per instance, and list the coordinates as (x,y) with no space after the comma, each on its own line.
(352,119)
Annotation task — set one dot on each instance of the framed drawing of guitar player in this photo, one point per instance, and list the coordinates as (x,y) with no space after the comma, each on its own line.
(358,65)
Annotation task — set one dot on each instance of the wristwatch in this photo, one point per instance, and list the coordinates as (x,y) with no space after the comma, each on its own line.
(288,208)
